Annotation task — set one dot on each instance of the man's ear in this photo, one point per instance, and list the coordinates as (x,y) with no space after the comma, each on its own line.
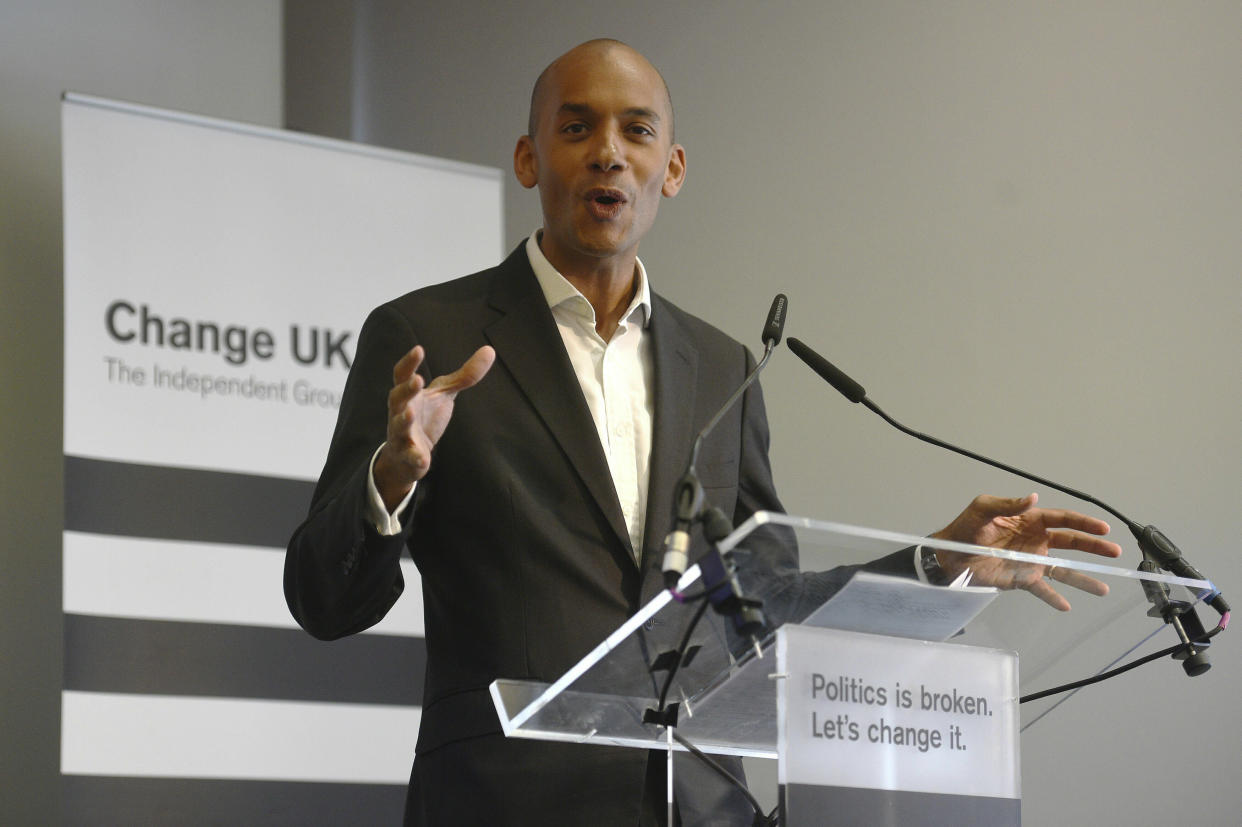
(675,175)
(525,164)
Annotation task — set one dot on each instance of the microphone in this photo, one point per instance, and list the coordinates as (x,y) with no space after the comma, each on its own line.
(1154,544)
(829,372)
(775,325)
(688,497)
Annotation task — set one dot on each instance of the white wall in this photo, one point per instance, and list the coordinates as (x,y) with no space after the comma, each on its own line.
(221,59)
(1016,223)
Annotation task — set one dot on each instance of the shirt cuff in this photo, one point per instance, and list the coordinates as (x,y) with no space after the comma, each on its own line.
(918,563)
(386,524)
(927,567)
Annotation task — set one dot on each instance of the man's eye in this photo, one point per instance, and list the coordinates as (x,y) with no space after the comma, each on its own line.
(639,129)
(574,128)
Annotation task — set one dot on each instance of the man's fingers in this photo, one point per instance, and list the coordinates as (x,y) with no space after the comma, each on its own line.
(400,395)
(1079,581)
(1083,542)
(1076,579)
(1049,595)
(982,510)
(469,374)
(407,365)
(1064,518)
(991,506)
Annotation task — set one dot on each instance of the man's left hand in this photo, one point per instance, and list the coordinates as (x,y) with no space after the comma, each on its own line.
(1017,525)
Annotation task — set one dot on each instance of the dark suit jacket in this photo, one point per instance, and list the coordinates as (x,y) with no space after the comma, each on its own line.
(518,534)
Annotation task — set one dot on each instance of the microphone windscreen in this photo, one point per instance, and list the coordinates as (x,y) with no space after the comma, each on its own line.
(775,325)
(850,389)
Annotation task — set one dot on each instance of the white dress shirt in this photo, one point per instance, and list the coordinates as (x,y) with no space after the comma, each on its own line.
(616,381)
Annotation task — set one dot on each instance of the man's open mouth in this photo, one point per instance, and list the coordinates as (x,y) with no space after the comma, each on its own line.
(606,197)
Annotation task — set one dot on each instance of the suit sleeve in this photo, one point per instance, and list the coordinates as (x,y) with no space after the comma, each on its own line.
(341,575)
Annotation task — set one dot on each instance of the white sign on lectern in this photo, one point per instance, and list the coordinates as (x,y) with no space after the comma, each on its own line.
(922,731)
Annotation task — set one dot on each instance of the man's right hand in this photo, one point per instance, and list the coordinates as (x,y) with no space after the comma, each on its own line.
(417,417)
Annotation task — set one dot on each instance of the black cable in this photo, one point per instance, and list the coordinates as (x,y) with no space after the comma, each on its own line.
(685,641)
(691,748)
(1103,676)
(721,771)
(681,653)
(707,590)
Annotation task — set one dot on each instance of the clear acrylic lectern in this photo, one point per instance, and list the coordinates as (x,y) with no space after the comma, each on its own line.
(725,691)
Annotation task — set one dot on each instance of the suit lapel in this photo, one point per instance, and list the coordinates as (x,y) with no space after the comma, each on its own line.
(676,373)
(528,343)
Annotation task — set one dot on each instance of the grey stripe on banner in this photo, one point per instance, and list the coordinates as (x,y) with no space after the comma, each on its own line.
(96,800)
(805,804)
(132,500)
(157,657)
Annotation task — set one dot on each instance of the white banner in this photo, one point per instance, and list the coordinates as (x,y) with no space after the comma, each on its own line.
(216,277)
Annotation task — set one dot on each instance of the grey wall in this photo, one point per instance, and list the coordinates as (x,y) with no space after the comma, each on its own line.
(221,59)
(1017,223)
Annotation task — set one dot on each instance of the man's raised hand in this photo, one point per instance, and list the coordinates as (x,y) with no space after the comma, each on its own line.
(1017,524)
(418,413)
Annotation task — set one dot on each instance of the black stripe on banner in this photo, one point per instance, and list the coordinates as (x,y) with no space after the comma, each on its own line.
(105,497)
(158,657)
(105,800)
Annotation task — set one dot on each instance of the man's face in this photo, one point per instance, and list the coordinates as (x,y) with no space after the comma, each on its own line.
(602,155)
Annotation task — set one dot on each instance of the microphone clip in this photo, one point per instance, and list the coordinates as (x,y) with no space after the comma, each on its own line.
(1159,550)
(725,593)
(690,500)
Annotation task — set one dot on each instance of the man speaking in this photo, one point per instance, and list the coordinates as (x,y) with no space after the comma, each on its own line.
(520,431)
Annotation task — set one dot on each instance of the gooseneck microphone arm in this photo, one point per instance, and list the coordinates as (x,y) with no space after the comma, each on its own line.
(1153,543)
(854,392)
(721,589)
(931,440)
(688,502)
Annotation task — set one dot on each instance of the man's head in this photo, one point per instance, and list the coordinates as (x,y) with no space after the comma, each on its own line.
(536,93)
(600,148)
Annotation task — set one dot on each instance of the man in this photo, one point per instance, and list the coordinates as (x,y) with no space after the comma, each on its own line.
(532,480)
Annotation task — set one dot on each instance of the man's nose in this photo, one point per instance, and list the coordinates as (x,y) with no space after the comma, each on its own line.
(606,154)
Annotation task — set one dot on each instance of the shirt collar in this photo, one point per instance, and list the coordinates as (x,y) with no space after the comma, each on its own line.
(558,291)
